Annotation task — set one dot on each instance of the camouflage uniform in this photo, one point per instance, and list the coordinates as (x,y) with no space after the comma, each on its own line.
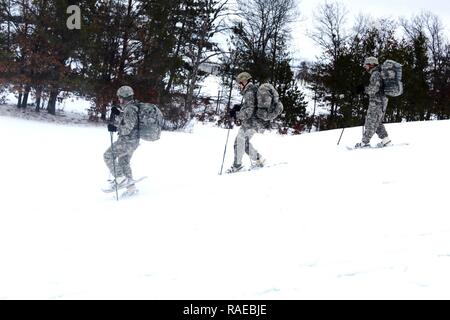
(250,125)
(126,144)
(377,108)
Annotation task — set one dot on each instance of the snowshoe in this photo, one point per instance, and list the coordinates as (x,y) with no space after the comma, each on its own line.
(235,168)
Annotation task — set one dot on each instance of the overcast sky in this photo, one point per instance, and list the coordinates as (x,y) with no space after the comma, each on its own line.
(304,48)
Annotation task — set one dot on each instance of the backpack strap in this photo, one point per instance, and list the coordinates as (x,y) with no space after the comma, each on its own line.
(138,104)
(255,109)
(382,86)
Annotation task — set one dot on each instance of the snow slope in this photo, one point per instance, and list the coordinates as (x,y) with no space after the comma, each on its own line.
(329,224)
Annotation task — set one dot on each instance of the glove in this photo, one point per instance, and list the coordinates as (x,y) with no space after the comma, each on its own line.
(112,128)
(232,113)
(115,111)
(236,108)
(359,89)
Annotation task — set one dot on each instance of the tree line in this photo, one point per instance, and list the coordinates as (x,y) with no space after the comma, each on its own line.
(159,47)
(154,46)
(419,44)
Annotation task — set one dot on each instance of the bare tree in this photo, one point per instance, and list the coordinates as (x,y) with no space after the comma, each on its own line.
(429,24)
(263,26)
(436,40)
(361,26)
(201,48)
(329,32)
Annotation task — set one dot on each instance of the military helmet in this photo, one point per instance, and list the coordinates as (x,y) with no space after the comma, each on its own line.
(125,92)
(244,76)
(371,60)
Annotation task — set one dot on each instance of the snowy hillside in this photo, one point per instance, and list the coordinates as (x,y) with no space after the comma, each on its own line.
(331,223)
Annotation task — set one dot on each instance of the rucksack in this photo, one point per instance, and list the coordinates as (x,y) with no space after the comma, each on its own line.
(150,121)
(268,104)
(391,73)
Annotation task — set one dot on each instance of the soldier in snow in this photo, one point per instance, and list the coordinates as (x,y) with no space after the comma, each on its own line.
(378,102)
(250,124)
(124,120)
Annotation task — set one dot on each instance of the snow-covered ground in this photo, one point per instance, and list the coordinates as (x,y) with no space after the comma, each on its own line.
(309,98)
(330,223)
(70,104)
(212,87)
(77,116)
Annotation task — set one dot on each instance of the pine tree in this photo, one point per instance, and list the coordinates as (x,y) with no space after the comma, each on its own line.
(294,113)
(157,41)
(105,51)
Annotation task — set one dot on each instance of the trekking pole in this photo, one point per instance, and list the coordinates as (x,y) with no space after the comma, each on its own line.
(341,136)
(114,165)
(225,151)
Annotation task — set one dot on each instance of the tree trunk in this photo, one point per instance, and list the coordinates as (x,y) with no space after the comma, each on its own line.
(8,38)
(190,95)
(125,43)
(103,111)
(51,107)
(193,80)
(19,100)
(230,92)
(38,99)
(274,58)
(177,53)
(25,96)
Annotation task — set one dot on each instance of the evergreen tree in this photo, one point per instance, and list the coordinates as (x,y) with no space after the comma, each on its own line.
(294,113)
(417,83)
(106,51)
(156,43)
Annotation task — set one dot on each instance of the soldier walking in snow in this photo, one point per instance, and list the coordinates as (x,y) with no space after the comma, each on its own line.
(250,124)
(124,121)
(378,102)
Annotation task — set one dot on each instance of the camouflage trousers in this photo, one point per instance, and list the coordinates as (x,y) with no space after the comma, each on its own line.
(374,119)
(123,151)
(242,144)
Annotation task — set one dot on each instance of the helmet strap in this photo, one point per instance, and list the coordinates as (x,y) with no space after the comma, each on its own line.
(244,85)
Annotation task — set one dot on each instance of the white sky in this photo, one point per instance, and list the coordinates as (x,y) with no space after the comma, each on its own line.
(304,48)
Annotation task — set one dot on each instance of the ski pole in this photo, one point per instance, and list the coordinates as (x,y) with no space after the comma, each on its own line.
(114,165)
(341,136)
(225,151)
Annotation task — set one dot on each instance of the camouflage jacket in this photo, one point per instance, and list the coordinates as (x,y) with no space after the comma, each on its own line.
(374,89)
(247,114)
(127,121)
